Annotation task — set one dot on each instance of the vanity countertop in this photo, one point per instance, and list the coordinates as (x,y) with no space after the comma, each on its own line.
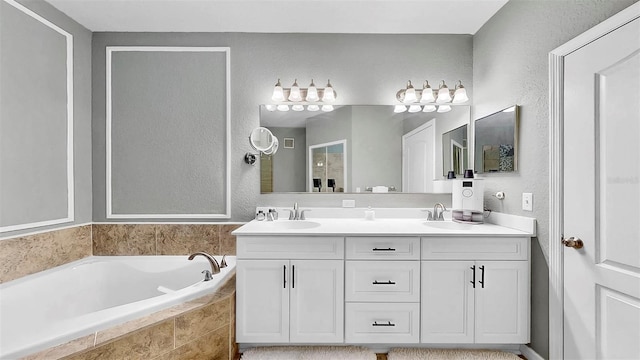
(362,227)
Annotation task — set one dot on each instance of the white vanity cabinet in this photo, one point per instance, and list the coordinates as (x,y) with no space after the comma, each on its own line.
(290,289)
(475,290)
(382,289)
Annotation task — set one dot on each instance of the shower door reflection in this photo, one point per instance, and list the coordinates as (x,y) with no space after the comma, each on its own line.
(327,167)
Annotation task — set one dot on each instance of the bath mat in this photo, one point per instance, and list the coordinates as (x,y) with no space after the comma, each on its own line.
(308,353)
(449,354)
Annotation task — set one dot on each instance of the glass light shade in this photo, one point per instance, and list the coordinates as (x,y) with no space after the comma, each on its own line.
(409,94)
(415,108)
(427,95)
(283,107)
(313,107)
(329,94)
(460,96)
(312,93)
(278,92)
(399,109)
(443,95)
(429,108)
(327,108)
(297,107)
(270,107)
(294,94)
(444,108)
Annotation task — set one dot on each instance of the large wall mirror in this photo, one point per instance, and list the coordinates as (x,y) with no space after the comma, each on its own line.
(496,142)
(455,154)
(357,148)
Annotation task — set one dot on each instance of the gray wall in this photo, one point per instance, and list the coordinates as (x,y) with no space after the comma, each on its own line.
(168,132)
(359,66)
(510,55)
(33,118)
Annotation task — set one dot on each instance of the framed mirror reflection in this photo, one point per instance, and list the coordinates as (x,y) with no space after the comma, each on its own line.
(496,142)
(356,148)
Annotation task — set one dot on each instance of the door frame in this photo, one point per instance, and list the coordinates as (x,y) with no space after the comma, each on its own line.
(556,176)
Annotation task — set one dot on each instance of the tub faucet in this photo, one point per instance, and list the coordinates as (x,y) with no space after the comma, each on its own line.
(215,267)
(437,216)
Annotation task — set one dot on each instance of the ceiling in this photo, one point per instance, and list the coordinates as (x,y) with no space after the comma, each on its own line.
(283,16)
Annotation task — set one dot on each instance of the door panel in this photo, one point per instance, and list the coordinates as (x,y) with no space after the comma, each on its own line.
(418,151)
(602,197)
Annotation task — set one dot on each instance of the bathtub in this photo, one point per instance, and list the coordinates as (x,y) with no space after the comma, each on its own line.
(79,298)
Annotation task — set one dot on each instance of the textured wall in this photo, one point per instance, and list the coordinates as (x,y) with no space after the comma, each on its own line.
(359,66)
(40,85)
(510,55)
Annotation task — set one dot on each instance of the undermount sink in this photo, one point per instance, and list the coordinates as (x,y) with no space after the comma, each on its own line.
(449,225)
(292,224)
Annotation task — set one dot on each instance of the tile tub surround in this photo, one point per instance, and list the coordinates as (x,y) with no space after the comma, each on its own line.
(201,328)
(163,239)
(29,254)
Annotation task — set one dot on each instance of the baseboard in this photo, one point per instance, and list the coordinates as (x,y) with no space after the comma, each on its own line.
(529,353)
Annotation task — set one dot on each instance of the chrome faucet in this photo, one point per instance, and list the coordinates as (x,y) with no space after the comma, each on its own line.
(438,216)
(215,267)
(296,213)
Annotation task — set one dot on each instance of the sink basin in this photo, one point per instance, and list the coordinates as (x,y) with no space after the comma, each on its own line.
(449,225)
(292,224)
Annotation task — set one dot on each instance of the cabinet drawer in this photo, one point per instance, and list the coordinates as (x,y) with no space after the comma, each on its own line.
(475,248)
(290,247)
(370,281)
(389,323)
(378,248)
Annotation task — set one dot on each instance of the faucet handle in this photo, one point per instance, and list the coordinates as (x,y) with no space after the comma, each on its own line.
(223,262)
(302,214)
(291,214)
(207,275)
(429,215)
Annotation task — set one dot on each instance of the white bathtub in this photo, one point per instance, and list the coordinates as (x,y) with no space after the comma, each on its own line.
(58,305)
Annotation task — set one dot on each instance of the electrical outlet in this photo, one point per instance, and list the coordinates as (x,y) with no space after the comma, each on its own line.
(527,201)
(348,203)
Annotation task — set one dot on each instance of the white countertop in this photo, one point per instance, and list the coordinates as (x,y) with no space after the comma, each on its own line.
(360,227)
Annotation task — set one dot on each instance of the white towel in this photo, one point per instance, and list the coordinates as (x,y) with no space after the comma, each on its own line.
(380,189)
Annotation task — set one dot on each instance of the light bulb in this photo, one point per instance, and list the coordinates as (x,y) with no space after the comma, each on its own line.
(399,109)
(297,107)
(444,108)
(294,95)
(409,94)
(460,95)
(429,108)
(443,94)
(327,108)
(270,107)
(414,108)
(283,107)
(329,94)
(278,92)
(427,94)
(312,92)
(313,107)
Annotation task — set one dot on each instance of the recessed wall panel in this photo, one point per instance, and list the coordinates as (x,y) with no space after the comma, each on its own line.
(36,120)
(167,138)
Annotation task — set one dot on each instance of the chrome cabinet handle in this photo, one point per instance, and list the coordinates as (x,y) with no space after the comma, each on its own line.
(376,282)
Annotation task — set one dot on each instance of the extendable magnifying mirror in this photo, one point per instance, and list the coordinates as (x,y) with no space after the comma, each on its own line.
(263,141)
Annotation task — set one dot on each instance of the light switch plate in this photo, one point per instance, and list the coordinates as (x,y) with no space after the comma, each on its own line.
(348,203)
(527,201)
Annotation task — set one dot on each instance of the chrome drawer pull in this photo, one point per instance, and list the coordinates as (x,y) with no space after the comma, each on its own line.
(375,323)
(387,249)
(376,282)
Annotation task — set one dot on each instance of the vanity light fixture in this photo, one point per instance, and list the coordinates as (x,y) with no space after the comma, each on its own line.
(429,100)
(311,98)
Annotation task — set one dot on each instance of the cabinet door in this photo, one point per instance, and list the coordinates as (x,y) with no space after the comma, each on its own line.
(447,302)
(262,305)
(502,302)
(317,301)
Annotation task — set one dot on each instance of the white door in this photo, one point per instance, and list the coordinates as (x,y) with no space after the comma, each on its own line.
(317,301)
(447,302)
(602,197)
(502,302)
(262,307)
(418,152)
